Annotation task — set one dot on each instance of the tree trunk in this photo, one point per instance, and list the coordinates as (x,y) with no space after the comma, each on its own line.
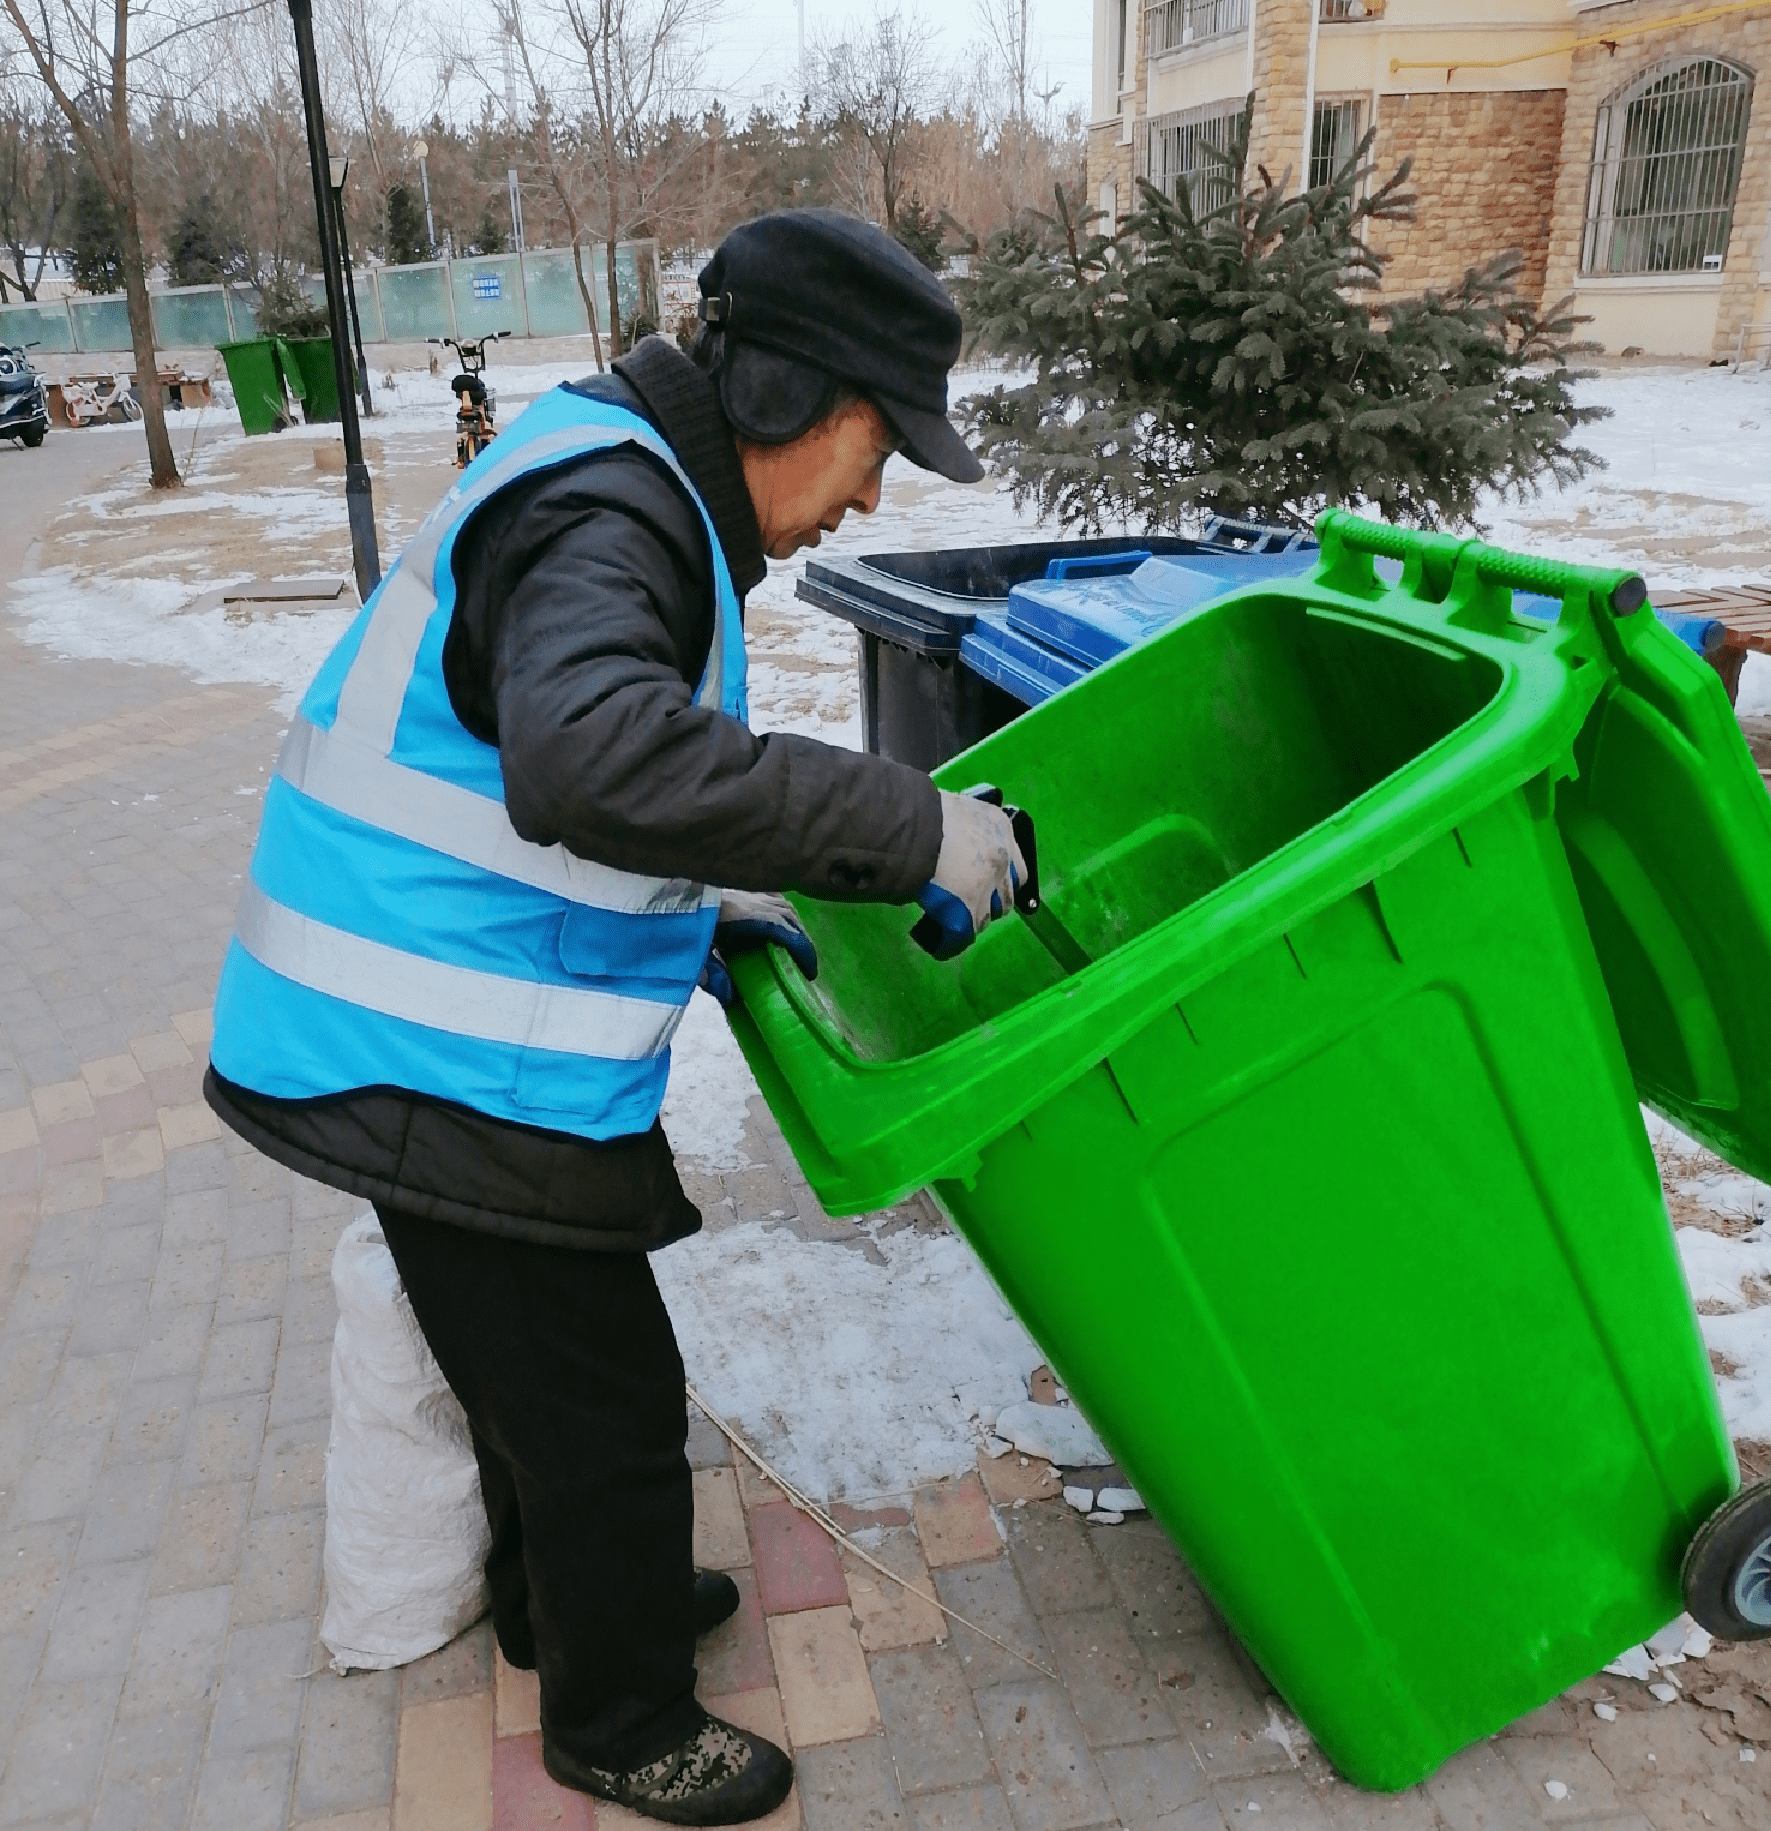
(596,342)
(615,344)
(162,467)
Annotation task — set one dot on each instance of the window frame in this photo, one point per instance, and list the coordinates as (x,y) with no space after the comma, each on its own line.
(1168,23)
(1324,166)
(1225,116)
(1662,235)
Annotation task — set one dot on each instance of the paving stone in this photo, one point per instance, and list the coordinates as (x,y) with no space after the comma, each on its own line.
(1147,1780)
(989,1596)
(849,1786)
(125,1255)
(111,1317)
(721,1542)
(188,1274)
(226,1440)
(736,1656)
(62,1101)
(516,1698)
(1477,1791)
(1286,1802)
(128,1509)
(303,1386)
(163,1049)
(707,1448)
(754,1487)
(129,1111)
(241,1359)
(1050,1547)
(310,1310)
(178,1654)
(186,1124)
(822,1673)
(150,1772)
(954,1523)
(349,1732)
(198,1217)
(46,1299)
(134,1154)
(888,1614)
(1115,1695)
(444,1770)
(70,1186)
(1537,1759)
(279,1573)
(978,1808)
(1152,1583)
(259,1229)
(176,1341)
(525,1798)
(113,1074)
(293,1471)
(251,1288)
(29,1364)
(263,1675)
(154,1420)
(34,1562)
(202,1166)
(58,1749)
(68,1240)
(61,1477)
(1216,1706)
(463,1665)
(1349,1809)
(245,1791)
(930,1724)
(796,1563)
(1043,1764)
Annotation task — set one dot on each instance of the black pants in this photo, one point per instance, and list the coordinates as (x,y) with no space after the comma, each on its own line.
(568,1370)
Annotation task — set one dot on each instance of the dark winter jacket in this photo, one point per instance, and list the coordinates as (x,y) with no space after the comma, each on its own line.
(583,617)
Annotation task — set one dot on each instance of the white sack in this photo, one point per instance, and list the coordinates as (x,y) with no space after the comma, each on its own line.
(406,1531)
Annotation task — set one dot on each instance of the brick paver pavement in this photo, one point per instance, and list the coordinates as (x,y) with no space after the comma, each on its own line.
(164,1409)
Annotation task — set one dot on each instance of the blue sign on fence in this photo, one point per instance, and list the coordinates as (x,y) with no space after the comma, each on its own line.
(488,286)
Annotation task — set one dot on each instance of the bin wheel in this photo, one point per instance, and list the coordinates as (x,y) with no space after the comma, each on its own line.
(1727,1572)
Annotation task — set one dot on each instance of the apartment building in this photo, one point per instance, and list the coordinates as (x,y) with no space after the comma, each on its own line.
(1614,142)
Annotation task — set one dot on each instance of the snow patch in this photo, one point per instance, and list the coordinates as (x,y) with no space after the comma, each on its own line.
(1734,1276)
(844,1374)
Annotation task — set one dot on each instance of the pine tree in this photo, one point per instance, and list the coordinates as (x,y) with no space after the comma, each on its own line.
(95,246)
(407,240)
(489,237)
(919,229)
(1233,361)
(194,252)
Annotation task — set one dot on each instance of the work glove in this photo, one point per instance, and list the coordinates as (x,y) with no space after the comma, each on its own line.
(750,919)
(976,874)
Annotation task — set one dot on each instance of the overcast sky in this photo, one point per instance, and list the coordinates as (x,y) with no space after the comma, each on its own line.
(757,47)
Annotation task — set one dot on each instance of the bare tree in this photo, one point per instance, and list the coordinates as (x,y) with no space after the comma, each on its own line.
(90,64)
(36,182)
(563,172)
(640,60)
(1008,34)
(880,82)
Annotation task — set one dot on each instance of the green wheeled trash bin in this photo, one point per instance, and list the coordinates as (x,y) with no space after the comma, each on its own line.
(256,378)
(312,357)
(1323,1182)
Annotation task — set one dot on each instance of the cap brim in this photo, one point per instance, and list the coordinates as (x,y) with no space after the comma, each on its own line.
(929,439)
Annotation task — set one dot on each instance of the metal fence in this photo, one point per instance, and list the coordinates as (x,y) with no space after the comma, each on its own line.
(1171,25)
(535,295)
(1334,138)
(1666,166)
(1176,149)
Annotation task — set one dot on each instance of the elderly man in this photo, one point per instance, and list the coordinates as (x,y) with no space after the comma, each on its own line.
(478,908)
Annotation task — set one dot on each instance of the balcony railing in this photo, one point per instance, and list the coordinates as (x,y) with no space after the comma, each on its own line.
(1332,10)
(1172,25)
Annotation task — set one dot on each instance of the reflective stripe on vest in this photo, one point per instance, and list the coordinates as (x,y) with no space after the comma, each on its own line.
(396,930)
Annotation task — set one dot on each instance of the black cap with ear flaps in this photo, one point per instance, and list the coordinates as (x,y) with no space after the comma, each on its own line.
(832,293)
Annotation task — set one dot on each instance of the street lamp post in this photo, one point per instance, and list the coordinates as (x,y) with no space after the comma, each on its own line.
(340,170)
(359,500)
(421,152)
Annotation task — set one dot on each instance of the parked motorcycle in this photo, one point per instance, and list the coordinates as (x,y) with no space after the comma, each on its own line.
(24,401)
(475,403)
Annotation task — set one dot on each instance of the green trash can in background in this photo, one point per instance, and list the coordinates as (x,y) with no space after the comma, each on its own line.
(311,357)
(1324,1183)
(256,378)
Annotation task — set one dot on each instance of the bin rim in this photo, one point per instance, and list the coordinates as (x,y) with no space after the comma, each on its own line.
(903,1123)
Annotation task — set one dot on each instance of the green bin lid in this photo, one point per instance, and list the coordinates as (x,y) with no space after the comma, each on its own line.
(1668,831)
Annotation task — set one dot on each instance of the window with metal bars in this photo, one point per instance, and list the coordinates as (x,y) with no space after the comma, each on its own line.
(1170,25)
(1334,138)
(1173,151)
(1666,166)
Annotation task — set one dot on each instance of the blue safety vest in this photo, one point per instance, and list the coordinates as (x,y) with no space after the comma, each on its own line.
(395,931)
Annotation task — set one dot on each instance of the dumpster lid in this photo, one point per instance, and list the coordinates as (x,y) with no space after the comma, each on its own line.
(1668,831)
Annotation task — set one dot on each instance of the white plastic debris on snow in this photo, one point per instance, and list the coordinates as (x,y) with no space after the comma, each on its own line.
(1057,1433)
(406,1532)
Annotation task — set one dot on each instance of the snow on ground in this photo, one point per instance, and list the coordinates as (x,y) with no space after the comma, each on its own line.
(861,1372)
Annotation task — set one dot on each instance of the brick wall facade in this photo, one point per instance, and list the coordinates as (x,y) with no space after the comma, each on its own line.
(1485,167)
(1108,158)
(1598,73)
(1281,84)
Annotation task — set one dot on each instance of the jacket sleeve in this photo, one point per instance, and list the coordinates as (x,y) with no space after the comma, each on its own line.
(602,629)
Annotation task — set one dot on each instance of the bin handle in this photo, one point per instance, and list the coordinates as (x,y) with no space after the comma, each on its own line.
(1621,591)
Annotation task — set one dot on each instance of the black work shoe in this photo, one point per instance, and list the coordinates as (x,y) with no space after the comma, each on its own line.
(716,1599)
(719,1776)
